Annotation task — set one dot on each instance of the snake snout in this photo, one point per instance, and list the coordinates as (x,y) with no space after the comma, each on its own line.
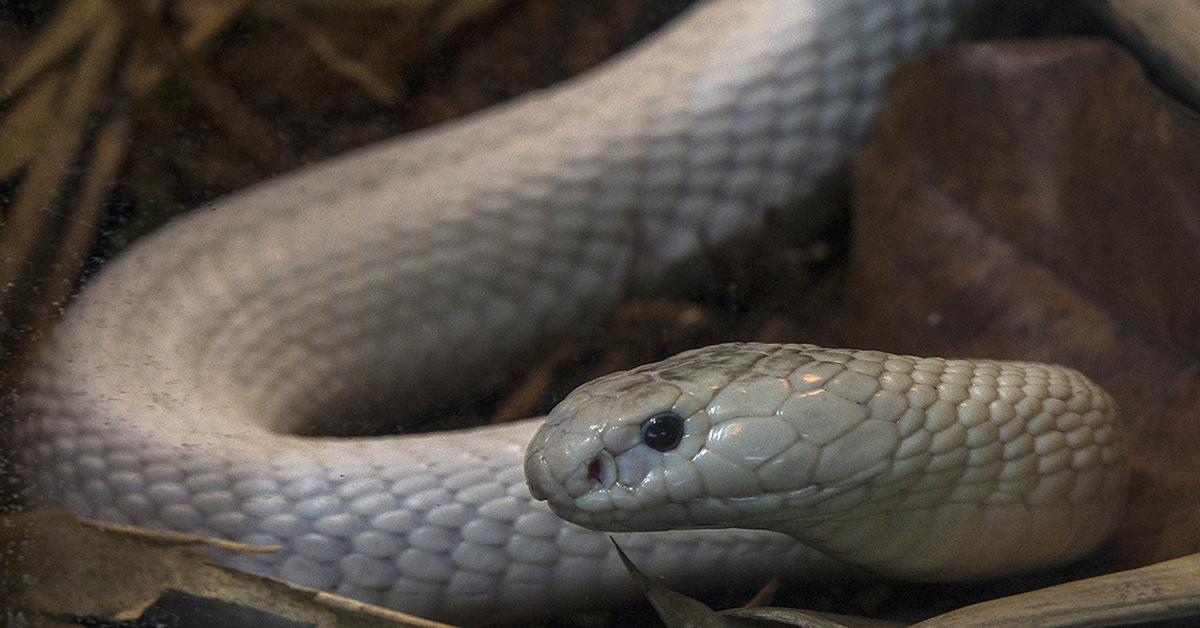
(563,463)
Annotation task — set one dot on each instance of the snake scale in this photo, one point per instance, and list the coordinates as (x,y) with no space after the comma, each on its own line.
(174,392)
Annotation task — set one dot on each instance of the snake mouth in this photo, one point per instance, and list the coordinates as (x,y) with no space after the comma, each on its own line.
(602,470)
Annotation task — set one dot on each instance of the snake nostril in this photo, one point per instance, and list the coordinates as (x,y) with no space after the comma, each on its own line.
(594,469)
(602,470)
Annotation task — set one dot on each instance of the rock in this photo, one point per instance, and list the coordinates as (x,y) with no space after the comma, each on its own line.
(1164,33)
(1041,200)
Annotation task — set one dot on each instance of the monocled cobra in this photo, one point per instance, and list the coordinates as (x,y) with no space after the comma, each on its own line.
(420,269)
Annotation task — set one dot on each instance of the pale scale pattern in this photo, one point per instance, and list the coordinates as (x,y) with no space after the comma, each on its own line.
(923,468)
(424,267)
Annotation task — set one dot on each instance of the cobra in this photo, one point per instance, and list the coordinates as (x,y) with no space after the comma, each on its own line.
(183,383)
(920,468)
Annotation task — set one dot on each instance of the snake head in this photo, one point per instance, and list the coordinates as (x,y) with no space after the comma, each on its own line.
(894,463)
(708,438)
(593,464)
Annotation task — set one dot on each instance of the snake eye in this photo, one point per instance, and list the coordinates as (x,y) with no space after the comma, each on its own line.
(663,431)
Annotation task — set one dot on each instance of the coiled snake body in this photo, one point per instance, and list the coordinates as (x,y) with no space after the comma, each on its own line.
(418,269)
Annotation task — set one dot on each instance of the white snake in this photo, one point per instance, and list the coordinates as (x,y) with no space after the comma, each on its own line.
(418,269)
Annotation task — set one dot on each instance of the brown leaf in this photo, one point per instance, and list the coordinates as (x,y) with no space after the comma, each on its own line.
(65,33)
(1165,590)
(30,223)
(1038,201)
(775,617)
(79,232)
(59,149)
(678,610)
(453,16)
(359,73)
(26,123)
(55,566)
(207,19)
(249,131)
(674,608)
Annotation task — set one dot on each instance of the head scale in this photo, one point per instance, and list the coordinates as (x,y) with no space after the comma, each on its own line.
(696,440)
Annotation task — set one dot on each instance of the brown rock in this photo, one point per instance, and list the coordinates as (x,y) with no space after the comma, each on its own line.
(1042,201)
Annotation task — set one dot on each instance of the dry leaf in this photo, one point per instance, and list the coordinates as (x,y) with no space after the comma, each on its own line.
(1166,590)
(54,565)
(773,617)
(677,610)
(359,73)
(29,222)
(206,19)
(27,121)
(453,16)
(79,233)
(61,37)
